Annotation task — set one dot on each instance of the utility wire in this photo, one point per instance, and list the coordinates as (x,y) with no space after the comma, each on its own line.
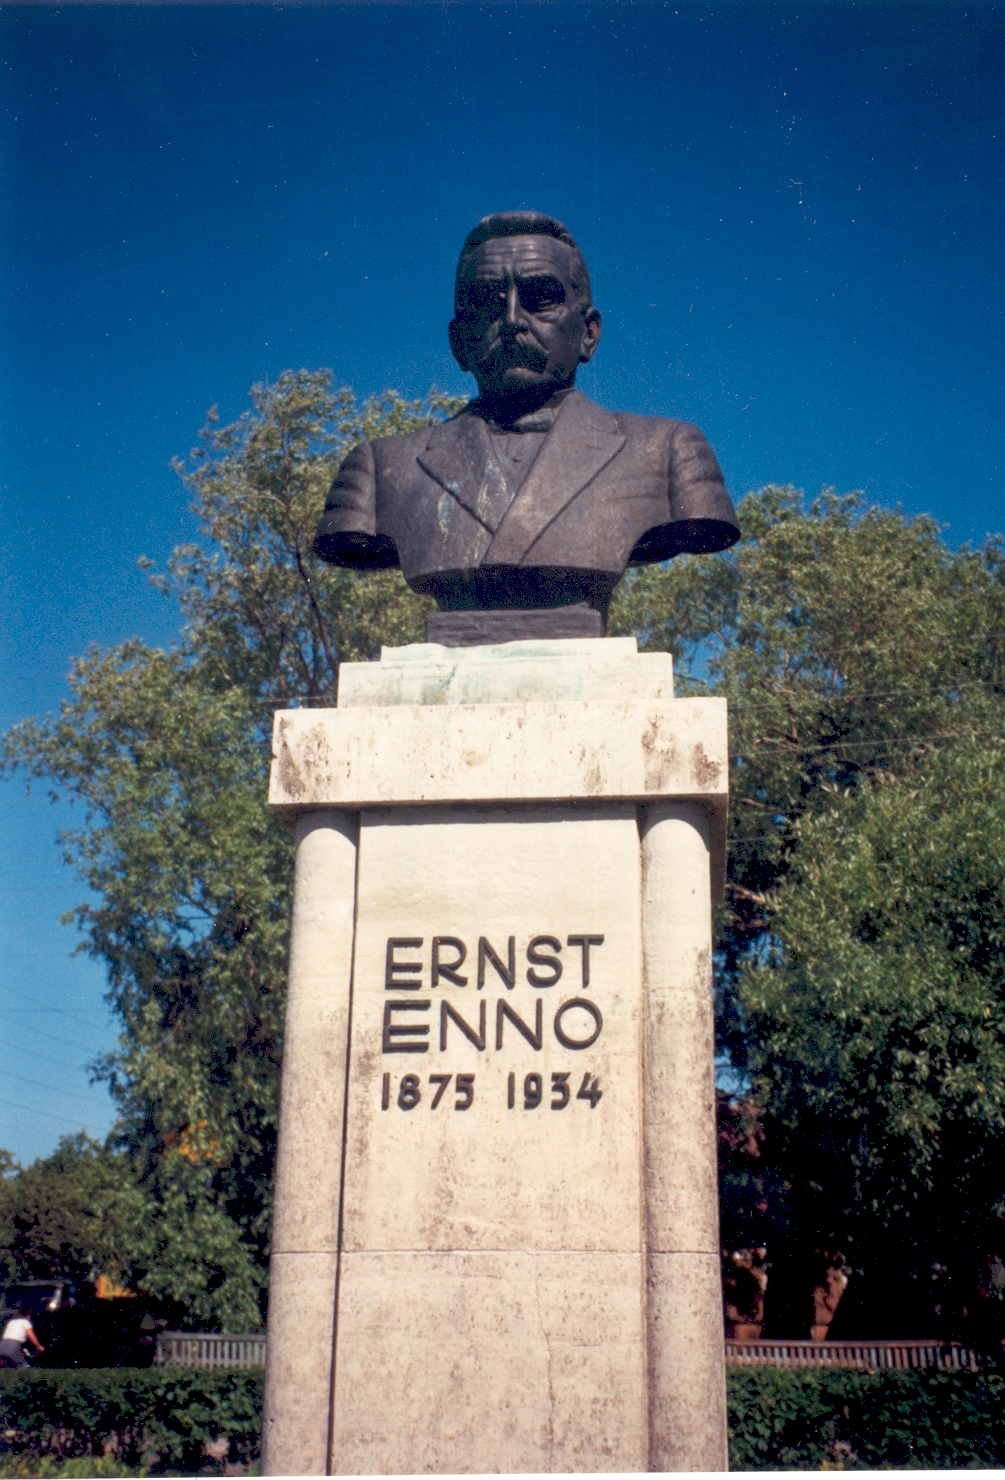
(42,1033)
(40,1084)
(47,1058)
(49,1114)
(877,740)
(949,688)
(63,1011)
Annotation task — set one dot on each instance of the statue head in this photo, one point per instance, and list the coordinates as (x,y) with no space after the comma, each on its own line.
(524,319)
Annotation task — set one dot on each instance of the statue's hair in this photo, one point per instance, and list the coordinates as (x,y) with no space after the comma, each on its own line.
(528,223)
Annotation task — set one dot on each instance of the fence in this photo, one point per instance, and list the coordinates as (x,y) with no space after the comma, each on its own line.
(869,1356)
(184,1350)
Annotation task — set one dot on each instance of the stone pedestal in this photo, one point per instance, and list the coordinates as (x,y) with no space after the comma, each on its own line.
(496,1234)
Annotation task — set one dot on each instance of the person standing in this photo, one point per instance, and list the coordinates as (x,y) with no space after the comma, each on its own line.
(17,1331)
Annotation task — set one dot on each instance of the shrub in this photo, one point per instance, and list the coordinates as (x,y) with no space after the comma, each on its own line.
(158,1418)
(58,1423)
(48,1467)
(809,1420)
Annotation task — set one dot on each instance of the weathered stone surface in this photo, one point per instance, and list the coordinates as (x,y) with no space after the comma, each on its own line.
(302,1271)
(680,1131)
(298,1364)
(516,1231)
(490,1363)
(628,748)
(314,1036)
(687,1415)
(686,1369)
(491,1177)
(508,673)
(454,741)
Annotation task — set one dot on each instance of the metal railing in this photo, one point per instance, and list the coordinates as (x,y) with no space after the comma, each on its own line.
(870,1356)
(196,1350)
(180,1348)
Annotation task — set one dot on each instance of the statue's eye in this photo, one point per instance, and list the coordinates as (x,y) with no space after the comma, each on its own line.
(538,293)
(484,297)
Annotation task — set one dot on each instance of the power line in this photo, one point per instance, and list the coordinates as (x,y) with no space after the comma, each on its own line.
(49,1114)
(63,1011)
(13,1011)
(873,740)
(40,1084)
(47,1058)
(838,694)
(42,1033)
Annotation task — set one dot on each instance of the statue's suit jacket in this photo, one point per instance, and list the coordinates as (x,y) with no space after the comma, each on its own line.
(606,490)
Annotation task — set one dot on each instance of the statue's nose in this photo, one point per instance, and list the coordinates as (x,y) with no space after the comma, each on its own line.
(516,317)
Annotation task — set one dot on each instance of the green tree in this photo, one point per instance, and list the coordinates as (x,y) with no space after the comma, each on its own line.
(877,1023)
(73,1213)
(848,641)
(859,999)
(167,753)
(262,611)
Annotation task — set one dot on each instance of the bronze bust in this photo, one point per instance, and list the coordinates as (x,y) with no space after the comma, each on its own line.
(521,514)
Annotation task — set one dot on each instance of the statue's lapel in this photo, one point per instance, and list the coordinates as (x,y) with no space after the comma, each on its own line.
(457,455)
(582,441)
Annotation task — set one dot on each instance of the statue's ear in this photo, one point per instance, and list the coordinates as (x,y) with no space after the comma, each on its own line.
(458,348)
(591,335)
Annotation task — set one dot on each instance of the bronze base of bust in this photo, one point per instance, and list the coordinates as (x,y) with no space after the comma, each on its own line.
(478,628)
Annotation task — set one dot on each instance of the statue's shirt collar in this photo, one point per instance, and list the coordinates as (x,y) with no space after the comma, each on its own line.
(541,420)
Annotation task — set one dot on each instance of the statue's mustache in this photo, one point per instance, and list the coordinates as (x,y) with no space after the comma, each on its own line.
(515,350)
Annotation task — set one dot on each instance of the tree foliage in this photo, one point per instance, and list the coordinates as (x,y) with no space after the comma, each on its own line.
(878,1015)
(166,754)
(848,641)
(73,1213)
(860,992)
(263,613)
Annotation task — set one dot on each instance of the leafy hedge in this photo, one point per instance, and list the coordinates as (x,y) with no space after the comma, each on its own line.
(49,1467)
(165,1417)
(159,1418)
(783,1419)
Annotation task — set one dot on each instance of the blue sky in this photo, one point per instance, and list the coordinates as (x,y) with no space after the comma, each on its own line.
(792,215)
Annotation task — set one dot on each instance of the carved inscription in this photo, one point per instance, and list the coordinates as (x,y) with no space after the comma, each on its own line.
(560,1091)
(410,1091)
(448,954)
(420,1024)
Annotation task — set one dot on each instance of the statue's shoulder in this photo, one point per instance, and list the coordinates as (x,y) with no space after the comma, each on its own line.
(631,422)
(403,445)
(683,437)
